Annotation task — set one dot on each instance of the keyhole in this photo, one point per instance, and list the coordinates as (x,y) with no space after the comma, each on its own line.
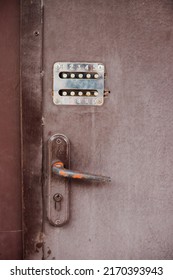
(58,198)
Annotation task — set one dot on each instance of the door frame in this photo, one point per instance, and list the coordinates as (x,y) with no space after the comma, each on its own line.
(31,85)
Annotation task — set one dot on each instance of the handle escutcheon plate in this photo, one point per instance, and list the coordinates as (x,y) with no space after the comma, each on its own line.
(59,174)
(58,187)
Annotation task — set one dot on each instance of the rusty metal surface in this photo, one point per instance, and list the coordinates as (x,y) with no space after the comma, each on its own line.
(58,169)
(10,185)
(31,106)
(130,135)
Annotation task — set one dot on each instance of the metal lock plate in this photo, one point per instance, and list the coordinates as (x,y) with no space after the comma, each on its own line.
(58,176)
(78,83)
(58,187)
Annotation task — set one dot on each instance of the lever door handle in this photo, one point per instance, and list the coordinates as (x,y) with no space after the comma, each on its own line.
(58,169)
(58,173)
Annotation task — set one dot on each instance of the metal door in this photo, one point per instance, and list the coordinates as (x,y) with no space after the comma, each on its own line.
(10,175)
(128,138)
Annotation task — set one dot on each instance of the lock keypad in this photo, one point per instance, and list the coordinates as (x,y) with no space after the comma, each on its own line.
(78,83)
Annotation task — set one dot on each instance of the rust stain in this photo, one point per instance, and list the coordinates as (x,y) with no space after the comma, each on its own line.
(39,245)
(77,176)
(63,173)
(49,252)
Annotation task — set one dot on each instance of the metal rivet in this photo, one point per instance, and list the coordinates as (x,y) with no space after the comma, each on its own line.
(88,93)
(95,93)
(100,67)
(64,93)
(80,93)
(64,75)
(72,93)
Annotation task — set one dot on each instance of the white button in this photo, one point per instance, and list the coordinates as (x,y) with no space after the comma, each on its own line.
(80,93)
(88,93)
(64,75)
(72,75)
(64,93)
(96,76)
(72,93)
(88,76)
(80,76)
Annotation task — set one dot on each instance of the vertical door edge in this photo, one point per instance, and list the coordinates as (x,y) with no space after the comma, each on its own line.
(31,126)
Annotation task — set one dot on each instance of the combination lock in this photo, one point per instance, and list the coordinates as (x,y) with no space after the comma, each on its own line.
(78,83)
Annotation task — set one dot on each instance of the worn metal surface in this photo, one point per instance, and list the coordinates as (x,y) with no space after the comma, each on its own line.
(58,169)
(78,83)
(31,114)
(57,213)
(129,138)
(10,183)
(57,187)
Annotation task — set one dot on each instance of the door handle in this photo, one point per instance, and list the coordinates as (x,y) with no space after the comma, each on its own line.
(58,175)
(58,169)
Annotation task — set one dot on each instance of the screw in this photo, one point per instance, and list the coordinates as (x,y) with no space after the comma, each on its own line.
(36,33)
(100,67)
(58,197)
(58,141)
(57,222)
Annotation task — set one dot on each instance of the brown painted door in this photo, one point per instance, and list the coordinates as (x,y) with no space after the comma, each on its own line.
(129,138)
(10,170)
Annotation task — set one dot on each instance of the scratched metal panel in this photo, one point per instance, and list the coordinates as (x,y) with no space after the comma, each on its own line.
(31,106)
(128,138)
(10,182)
